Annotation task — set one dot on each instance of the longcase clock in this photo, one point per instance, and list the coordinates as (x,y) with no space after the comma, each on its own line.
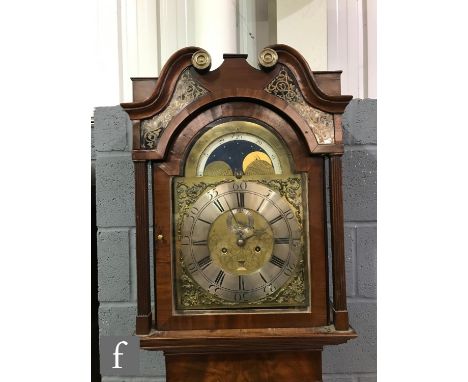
(238,159)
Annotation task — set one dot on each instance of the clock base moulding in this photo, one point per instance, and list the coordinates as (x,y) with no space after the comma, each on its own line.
(232,340)
(293,354)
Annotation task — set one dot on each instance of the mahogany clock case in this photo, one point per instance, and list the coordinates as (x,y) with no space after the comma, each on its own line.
(236,91)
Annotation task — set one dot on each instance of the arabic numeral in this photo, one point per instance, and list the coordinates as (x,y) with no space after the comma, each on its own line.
(213,193)
(269,288)
(239,186)
(239,297)
(289,215)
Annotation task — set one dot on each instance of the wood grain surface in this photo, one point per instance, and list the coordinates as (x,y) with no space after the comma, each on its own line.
(288,366)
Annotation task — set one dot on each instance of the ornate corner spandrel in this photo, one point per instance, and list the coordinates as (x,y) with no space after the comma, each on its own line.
(321,123)
(186,91)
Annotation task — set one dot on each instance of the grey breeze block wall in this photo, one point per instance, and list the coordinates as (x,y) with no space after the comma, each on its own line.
(111,144)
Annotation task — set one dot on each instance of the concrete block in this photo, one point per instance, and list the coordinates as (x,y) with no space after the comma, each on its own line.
(367,261)
(115,191)
(360,185)
(117,320)
(93,145)
(111,125)
(152,363)
(113,265)
(368,378)
(360,122)
(338,378)
(350,259)
(358,355)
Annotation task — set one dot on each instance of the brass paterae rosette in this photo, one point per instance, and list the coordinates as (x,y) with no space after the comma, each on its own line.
(201,60)
(267,58)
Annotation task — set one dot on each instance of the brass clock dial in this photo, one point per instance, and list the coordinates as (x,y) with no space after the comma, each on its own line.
(241,239)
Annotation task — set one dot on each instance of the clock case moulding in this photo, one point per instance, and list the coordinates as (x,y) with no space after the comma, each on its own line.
(306,112)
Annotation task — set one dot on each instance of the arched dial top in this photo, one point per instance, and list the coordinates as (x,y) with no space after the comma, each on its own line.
(237,148)
(241,243)
(241,237)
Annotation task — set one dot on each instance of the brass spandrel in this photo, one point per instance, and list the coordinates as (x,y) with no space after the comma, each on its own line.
(187,90)
(284,86)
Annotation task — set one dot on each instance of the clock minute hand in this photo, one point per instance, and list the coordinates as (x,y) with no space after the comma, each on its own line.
(232,213)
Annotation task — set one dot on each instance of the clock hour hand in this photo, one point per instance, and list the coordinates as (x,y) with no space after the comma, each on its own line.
(237,228)
(255,232)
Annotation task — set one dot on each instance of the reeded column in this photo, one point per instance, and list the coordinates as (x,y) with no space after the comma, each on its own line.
(340,310)
(144,314)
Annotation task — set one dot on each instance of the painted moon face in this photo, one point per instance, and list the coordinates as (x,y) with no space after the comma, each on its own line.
(217,168)
(254,156)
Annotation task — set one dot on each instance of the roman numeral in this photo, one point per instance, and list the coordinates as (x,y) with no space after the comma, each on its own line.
(205,262)
(200,242)
(275,220)
(241,283)
(277,261)
(240,199)
(218,205)
(281,240)
(263,278)
(260,206)
(220,278)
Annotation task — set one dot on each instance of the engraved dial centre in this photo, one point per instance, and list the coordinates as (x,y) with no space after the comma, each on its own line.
(240,241)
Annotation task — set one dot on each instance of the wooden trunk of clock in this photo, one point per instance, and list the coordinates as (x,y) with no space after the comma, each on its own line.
(237,158)
(290,366)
